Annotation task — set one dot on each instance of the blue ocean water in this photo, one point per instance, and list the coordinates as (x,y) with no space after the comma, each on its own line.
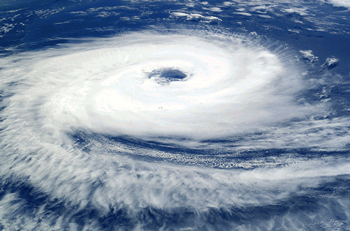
(81,147)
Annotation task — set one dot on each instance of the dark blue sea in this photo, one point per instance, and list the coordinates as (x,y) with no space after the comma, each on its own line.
(174,115)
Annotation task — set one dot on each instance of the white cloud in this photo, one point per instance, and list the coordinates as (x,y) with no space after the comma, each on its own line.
(234,86)
(308,55)
(300,11)
(343,3)
(243,13)
(196,16)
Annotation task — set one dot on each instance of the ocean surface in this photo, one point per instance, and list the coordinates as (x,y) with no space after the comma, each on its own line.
(175,115)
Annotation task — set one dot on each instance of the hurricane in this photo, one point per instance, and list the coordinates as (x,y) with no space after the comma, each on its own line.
(181,115)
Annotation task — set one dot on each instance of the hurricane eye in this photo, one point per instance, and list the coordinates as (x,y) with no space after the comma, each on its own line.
(165,76)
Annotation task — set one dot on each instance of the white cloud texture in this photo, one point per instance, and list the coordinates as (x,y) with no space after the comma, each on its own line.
(343,3)
(232,86)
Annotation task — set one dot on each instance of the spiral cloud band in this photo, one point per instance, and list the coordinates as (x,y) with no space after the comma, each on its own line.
(72,115)
(165,85)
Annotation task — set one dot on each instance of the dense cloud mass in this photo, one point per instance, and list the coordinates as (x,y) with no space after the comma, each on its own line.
(180,116)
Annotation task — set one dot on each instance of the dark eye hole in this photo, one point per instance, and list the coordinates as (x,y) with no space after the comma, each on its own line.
(165,76)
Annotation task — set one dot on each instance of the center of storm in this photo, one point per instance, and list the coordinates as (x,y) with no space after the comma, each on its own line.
(167,75)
